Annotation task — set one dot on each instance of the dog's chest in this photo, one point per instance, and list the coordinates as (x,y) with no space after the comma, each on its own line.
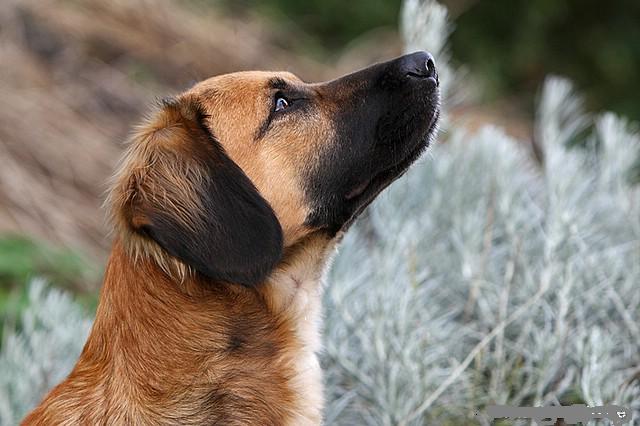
(296,293)
(308,380)
(306,306)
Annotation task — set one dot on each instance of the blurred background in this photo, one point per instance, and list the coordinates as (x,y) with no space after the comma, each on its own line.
(75,75)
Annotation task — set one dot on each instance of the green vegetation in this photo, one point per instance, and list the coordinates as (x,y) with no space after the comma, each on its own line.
(22,259)
(514,44)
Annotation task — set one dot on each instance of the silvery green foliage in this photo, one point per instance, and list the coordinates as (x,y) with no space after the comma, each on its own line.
(480,278)
(53,331)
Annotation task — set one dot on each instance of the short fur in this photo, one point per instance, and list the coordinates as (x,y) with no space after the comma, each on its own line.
(226,213)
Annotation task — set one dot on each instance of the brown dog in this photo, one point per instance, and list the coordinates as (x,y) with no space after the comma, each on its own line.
(227,208)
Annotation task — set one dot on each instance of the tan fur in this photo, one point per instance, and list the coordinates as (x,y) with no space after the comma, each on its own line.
(159,355)
(165,175)
(168,348)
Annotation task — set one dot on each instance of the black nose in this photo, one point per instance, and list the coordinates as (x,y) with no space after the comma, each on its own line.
(419,65)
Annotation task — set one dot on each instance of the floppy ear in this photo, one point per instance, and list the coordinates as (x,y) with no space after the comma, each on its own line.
(186,194)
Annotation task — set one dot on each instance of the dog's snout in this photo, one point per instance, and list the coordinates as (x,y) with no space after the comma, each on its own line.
(419,65)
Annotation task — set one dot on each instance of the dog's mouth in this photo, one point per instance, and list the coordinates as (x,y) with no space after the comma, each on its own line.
(360,188)
(363,194)
(375,184)
(365,191)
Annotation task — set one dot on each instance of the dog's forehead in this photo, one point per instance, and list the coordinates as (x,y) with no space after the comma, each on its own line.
(244,82)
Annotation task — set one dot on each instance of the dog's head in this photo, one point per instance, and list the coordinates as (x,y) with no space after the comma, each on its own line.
(226,175)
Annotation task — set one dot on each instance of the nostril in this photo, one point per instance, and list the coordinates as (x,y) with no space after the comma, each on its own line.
(431,71)
(431,68)
(419,65)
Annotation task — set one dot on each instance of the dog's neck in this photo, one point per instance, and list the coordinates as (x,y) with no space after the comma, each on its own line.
(198,352)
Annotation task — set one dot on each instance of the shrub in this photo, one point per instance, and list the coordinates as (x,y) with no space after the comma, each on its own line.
(53,331)
(485,279)
(482,279)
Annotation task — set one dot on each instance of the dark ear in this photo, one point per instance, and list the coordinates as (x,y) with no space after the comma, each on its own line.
(198,205)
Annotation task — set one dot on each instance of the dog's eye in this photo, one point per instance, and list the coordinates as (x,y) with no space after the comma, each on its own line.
(281,104)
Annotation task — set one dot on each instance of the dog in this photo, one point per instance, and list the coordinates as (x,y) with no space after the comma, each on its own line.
(226,210)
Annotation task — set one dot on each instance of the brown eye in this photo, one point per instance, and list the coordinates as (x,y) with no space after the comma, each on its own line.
(281,104)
